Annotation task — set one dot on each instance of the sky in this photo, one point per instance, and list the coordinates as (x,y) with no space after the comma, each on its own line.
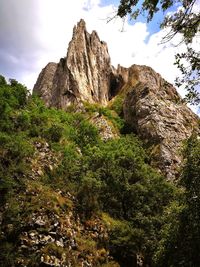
(35,32)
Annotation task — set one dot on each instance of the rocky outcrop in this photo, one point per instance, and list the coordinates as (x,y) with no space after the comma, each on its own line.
(52,234)
(105,127)
(43,160)
(158,115)
(84,75)
(44,84)
(152,106)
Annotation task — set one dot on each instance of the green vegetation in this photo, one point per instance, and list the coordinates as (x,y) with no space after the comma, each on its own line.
(180,242)
(110,113)
(143,213)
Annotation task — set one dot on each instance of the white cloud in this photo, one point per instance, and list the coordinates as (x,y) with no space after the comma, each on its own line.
(89,4)
(57,18)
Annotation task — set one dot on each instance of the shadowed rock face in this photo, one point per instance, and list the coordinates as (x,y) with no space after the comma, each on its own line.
(152,106)
(44,84)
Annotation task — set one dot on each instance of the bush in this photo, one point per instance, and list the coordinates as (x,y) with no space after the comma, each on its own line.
(130,191)
(117,104)
(7,255)
(2,81)
(23,121)
(88,195)
(85,134)
(13,166)
(110,114)
(54,133)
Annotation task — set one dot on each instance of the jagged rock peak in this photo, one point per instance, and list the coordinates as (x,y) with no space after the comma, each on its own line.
(151,106)
(80,24)
(84,75)
(80,29)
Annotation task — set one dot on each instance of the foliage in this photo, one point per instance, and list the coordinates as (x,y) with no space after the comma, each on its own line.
(2,81)
(184,21)
(13,166)
(180,241)
(146,215)
(110,113)
(117,104)
(117,180)
(54,133)
(12,96)
(85,133)
(53,249)
(190,74)
(88,195)
(7,256)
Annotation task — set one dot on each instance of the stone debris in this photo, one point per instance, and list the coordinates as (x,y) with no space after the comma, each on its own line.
(57,238)
(105,128)
(44,160)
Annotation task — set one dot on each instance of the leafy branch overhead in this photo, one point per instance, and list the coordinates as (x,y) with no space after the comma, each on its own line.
(185,21)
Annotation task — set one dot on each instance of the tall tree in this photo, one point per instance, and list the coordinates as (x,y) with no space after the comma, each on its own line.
(185,20)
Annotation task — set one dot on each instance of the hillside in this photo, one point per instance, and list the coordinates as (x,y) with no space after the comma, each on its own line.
(99,167)
(149,104)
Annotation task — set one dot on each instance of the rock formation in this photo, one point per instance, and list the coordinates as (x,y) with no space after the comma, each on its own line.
(152,107)
(158,115)
(84,75)
(44,83)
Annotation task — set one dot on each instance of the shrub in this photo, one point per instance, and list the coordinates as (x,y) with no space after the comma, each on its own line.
(54,133)
(117,104)
(88,195)
(23,121)
(14,150)
(85,134)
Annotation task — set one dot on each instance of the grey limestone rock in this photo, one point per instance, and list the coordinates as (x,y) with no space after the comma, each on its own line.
(83,75)
(160,117)
(152,106)
(44,84)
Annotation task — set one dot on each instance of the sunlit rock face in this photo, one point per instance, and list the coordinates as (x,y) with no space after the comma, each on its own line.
(84,74)
(152,106)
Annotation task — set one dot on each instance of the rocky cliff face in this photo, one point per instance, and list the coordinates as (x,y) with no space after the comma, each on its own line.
(151,105)
(44,84)
(83,75)
(158,115)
